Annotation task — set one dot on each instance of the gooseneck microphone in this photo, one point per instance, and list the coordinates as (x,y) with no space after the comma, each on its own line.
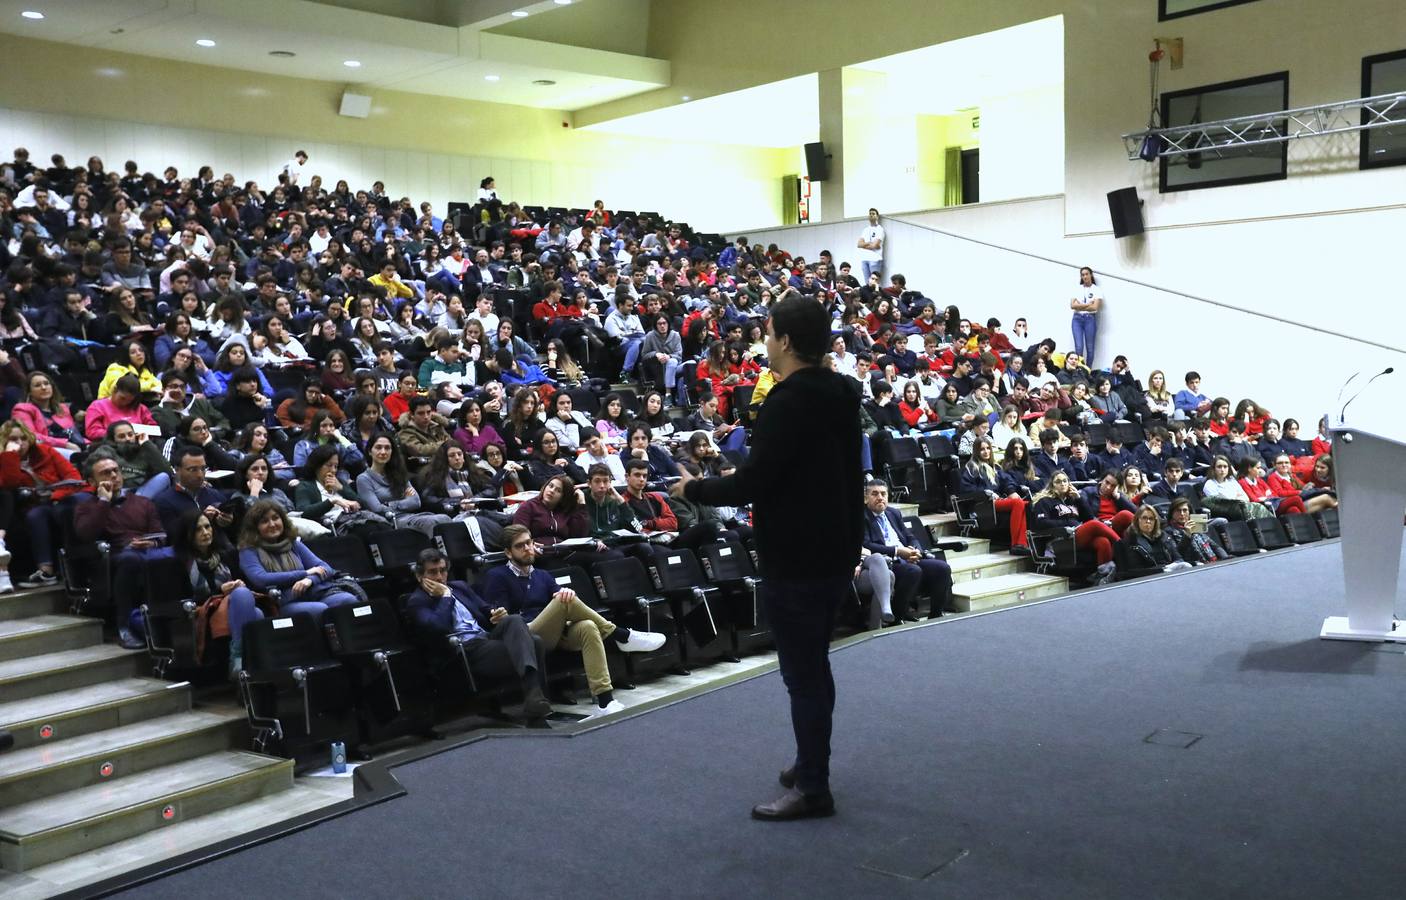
(1387,371)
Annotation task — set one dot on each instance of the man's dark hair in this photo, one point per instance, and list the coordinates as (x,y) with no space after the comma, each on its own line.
(171,376)
(1193,375)
(1049,436)
(633,464)
(419,401)
(806,323)
(185,452)
(443,342)
(128,384)
(428,557)
(600,469)
(504,358)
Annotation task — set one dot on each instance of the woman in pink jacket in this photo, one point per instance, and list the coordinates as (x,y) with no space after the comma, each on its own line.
(46,414)
(123,406)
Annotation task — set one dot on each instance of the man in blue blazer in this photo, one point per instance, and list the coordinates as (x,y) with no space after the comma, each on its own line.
(885,533)
(499,647)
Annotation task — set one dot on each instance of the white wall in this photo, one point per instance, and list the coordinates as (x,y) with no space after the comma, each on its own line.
(1292,369)
(437,177)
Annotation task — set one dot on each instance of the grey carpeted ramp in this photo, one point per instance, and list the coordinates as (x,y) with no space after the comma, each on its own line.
(1183,737)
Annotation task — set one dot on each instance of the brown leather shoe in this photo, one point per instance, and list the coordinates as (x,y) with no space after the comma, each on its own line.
(795,805)
(788,777)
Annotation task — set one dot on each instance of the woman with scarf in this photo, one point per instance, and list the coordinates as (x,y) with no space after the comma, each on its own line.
(272,557)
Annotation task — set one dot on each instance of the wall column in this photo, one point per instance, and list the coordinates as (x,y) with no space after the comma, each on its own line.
(832,135)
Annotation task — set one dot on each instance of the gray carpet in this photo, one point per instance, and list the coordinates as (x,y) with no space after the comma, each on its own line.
(1000,756)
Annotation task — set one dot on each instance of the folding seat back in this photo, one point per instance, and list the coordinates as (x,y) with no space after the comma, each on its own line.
(1098,434)
(727,561)
(681,578)
(1269,533)
(169,615)
(625,585)
(294,693)
(395,551)
(454,541)
(1301,528)
(579,580)
(391,677)
(1328,523)
(584,400)
(348,554)
(1237,538)
(1130,433)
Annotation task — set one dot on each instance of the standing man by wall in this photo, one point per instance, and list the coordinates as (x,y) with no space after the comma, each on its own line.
(803,470)
(871,246)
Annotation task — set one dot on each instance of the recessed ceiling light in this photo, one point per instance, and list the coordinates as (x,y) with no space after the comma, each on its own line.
(351,63)
(204,42)
(563,2)
(286,54)
(490,78)
(544,82)
(520,14)
(687,97)
(31,14)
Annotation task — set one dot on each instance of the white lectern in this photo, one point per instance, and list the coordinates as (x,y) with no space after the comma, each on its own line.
(1367,467)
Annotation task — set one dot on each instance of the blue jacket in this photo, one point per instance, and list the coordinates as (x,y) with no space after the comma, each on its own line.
(873,539)
(1046,467)
(435,615)
(172,503)
(660,463)
(502,587)
(261,579)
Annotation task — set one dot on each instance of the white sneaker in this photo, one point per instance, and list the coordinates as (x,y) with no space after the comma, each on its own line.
(642,641)
(614,706)
(4,553)
(6,586)
(39,579)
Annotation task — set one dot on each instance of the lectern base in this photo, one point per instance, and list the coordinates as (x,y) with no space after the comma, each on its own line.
(1335,628)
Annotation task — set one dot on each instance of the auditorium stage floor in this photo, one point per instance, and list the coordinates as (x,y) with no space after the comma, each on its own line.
(1187,736)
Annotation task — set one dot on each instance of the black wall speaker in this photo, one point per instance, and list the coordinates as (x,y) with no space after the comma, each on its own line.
(1125,209)
(817,163)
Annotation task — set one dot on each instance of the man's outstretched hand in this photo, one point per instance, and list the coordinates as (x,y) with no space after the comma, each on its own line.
(676,489)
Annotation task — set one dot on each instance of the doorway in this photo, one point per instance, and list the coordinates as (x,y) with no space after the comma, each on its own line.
(971,176)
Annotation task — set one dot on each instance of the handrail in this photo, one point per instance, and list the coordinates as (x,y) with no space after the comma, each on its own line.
(1206,300)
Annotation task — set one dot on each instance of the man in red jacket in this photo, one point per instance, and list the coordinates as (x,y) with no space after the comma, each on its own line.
(131,524)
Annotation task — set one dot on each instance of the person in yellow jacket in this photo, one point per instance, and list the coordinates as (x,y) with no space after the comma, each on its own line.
(389,282)
(132,362)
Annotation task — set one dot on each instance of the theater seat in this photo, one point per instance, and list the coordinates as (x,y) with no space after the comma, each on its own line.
(295,694)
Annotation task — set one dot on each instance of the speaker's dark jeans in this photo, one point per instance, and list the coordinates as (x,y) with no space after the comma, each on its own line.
(802,616)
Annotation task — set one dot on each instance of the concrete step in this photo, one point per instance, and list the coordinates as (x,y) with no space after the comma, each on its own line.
(1006,590)
(905,509)
(111,704)
(68,669)
(975,547)
(34,602)
(53,828)
(105,756)
(47,633)
(307,795)
(985,566)
(941,523)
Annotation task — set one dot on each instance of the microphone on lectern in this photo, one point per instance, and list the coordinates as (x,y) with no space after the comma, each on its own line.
(1387,371)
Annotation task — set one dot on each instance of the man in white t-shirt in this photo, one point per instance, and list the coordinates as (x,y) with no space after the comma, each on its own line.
(293,168)
(871,245)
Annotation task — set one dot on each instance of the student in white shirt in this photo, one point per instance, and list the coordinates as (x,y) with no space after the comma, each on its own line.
(871,246)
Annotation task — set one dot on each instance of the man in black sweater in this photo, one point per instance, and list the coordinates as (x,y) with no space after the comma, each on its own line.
(804,482)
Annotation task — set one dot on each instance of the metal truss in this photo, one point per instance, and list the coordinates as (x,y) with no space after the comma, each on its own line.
(1276,127)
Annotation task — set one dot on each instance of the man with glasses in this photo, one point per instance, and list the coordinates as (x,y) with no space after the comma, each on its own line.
(499,646)
(558,617)
(191,491)
(131,524)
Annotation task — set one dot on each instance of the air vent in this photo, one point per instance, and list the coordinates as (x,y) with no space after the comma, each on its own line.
(544,82)
(286,54)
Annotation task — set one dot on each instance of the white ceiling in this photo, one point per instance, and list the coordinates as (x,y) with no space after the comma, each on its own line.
(936,80)
(395,53)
